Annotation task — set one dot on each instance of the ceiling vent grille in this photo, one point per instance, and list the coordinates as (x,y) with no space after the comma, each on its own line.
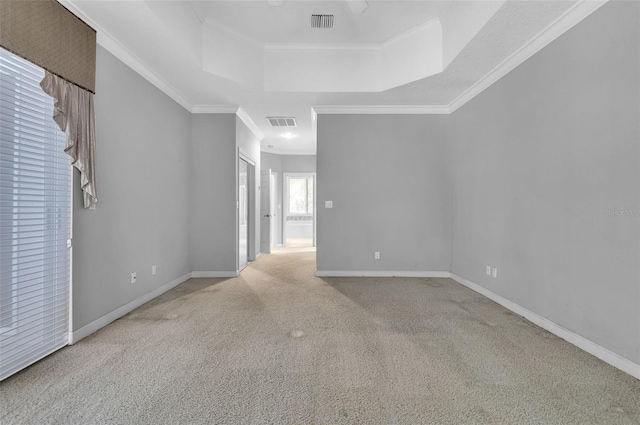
(322,21)
(282,121)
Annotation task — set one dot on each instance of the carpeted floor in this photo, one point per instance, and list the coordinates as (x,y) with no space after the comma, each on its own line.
(280,346)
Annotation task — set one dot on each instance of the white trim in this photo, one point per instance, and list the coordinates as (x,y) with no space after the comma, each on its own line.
(409,33)
(570,18)
(105,39)
(336,47)
(103,321)
(307,47)
(566,21)
(210,274)
(581,342)
(381,273)
(119,51)
(382,109)
(245,157)
(242,114)
(71,208)
(214,109)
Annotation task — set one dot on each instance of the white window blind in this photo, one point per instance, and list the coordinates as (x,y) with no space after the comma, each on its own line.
(35,220)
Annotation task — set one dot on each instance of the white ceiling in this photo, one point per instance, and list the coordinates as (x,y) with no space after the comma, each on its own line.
(166,42)
(289,23)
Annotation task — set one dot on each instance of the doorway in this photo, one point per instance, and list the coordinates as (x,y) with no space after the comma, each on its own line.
(299,212)
(243,213)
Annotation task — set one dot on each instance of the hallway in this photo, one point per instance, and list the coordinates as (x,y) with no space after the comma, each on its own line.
(279,345)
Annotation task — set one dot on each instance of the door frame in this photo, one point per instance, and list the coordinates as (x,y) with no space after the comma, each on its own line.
(285,203)
(251,199)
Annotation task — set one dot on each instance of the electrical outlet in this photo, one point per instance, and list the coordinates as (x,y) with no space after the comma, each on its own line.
(376,255)
(153,270)
(328,204)
(495,272)
(134,277)
(488,270)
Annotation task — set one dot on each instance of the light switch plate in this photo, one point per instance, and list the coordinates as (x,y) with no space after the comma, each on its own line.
(328,204)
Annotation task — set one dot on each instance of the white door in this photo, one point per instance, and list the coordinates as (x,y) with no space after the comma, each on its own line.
(265,211)
(243,213)
(273,192)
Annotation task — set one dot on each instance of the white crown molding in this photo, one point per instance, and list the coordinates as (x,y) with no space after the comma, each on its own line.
(410,33)
(312,47)
(105,39)
(242,114)
(214,109)
(570,18)
(566,21)
(230,109)
(138,66)
(381,110)
(293,47)
(571,337)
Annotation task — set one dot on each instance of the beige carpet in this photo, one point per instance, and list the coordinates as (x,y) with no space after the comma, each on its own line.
(279,346)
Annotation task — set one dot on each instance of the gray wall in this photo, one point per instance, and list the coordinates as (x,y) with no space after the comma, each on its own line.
(298,163)
(538,159)
(388,178)
(213,193)
(142,216)
(285,164)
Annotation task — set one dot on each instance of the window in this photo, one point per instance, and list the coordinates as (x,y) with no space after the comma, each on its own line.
(301,196)
(35,220)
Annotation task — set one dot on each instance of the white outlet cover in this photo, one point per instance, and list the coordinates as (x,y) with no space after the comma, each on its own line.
(328,204)
(376,255)
(488,270)
(153,270)
(495,272)
(134,277)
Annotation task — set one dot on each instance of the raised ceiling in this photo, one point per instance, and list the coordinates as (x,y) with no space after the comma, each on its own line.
(411,56)
(290,22)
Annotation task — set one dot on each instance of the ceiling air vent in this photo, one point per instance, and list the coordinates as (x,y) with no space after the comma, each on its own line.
(322,21)
(282,121)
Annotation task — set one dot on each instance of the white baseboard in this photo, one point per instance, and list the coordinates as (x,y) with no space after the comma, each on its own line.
(201,274)
(381,273)
(103,321)
(581,342)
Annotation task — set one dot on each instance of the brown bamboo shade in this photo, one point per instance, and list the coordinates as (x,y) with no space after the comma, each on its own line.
(47,34)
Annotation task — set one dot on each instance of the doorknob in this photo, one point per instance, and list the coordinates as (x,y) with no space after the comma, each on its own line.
(267,215)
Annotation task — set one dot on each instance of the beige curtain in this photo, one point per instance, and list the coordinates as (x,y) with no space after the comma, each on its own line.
(73,112)
(47,34)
